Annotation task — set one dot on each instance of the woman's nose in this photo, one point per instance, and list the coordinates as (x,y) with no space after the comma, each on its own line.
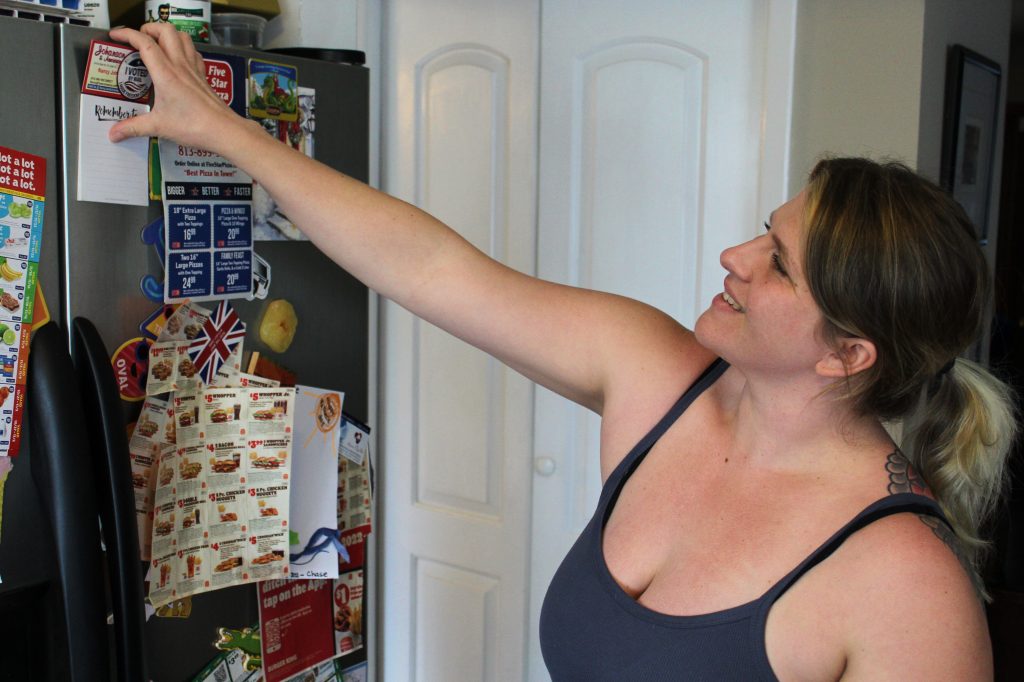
(735,259)
(739,259)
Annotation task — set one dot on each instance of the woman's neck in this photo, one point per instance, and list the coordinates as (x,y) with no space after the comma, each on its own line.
(800,425)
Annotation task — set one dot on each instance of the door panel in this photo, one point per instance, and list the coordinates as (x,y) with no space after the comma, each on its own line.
(608,144)
(461,144)
(651,162)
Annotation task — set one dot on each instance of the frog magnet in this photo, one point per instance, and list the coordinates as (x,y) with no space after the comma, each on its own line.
(246,640)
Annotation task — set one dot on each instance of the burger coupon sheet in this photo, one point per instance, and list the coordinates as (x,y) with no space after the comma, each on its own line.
(220,513)
(152,439)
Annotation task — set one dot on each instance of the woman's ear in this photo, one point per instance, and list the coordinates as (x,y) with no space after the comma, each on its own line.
(852,356)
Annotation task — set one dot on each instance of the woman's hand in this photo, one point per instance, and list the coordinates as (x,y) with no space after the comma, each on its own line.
(185,109)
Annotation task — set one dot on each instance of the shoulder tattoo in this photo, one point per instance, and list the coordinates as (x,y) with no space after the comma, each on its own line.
(903,478)
(946,534)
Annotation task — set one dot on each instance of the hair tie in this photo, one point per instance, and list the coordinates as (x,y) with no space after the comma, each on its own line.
(945,368)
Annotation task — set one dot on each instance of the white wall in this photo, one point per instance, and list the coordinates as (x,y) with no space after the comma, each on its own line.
(315,23)
(870,76)
(985,28)
(857,81)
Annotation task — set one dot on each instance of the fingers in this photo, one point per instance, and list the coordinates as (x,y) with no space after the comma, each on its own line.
(160,45)
(184,108)
(188,51)
(200,65)
(137,126)
(155,58)
(170,41)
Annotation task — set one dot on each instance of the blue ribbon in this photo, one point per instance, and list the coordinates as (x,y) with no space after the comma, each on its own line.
(319,543)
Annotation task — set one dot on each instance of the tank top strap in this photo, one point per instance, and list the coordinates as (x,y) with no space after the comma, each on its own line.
(636,455)
(887,506)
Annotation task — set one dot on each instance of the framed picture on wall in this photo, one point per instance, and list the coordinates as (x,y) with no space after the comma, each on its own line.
(969,132)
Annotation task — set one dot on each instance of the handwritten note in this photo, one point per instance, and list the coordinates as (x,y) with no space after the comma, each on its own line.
(107,172)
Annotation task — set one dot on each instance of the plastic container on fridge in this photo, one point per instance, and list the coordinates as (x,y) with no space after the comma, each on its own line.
(239,30)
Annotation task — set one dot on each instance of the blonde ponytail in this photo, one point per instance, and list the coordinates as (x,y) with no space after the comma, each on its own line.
(959,438)
(891,257)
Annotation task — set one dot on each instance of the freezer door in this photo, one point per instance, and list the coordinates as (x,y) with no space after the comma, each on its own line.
(32,641)
(104,260)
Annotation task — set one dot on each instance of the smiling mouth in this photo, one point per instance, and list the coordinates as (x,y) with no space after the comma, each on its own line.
(732,302)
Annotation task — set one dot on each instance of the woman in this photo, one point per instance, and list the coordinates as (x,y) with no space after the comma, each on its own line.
(765,524)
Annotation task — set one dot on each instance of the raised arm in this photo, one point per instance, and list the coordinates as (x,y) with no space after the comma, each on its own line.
(573,341)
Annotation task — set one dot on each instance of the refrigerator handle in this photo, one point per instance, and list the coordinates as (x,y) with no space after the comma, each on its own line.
(112,469)
(61,471)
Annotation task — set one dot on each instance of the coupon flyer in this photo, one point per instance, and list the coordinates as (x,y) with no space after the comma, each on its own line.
(207,225)
(354,496)
(220,512)
(22,200)
(153,439)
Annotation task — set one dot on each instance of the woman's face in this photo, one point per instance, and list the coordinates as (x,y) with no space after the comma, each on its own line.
(766,317)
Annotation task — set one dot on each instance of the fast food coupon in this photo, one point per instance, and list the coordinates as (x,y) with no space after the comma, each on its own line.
(295,625)
(195,343)
(170,367)
(306,622)
(355,498)
(152,439)
(207,225)
(348,612)
(221,501)
(230,375)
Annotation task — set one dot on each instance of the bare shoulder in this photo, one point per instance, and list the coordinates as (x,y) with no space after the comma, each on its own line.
(911,608)
(656,361)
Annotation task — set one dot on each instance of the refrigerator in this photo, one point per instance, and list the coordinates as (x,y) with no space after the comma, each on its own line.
(91,264)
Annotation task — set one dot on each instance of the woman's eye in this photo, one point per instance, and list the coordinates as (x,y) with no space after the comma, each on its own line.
(777,264)
(767,227)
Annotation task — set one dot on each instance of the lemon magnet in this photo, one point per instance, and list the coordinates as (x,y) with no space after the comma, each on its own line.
(277,328)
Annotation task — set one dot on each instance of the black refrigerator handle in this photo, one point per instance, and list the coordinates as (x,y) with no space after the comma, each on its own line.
(112,470)
(62,472)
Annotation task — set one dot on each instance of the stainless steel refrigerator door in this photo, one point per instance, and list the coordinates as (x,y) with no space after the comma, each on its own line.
(104,260)
(31,633)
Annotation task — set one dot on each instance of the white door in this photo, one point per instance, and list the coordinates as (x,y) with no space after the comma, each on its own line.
(459,94)
(663,127)
(662,137)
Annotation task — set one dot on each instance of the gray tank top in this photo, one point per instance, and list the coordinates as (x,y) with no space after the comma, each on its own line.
(590,629)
